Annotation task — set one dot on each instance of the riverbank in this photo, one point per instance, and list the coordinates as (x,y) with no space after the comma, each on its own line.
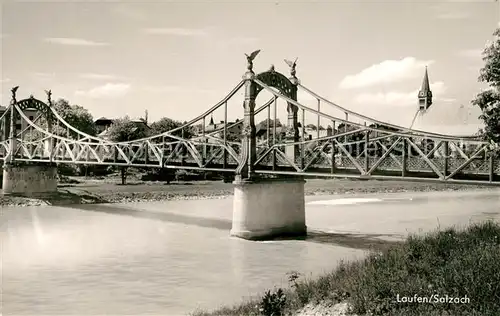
(81,190)
(442,266)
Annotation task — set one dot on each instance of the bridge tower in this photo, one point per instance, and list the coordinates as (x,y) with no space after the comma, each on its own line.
(425,93)
(263,207)
(25,177)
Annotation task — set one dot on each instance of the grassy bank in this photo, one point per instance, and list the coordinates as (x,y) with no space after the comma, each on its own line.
(453,262)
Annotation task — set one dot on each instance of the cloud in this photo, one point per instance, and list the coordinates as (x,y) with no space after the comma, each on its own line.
(44,76)
(453,16)
(398,98)
(304,97)
(129,12)
(73,41)
(471,53)
(473,68)
(176,31)
(385,72)
(448,100)
(244,40)
(445,11)
(109,90)
(94,76)
(175,89)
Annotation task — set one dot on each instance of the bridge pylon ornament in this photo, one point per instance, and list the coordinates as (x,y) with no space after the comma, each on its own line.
(292,65)
(250,59)
(14,90)
(49,97)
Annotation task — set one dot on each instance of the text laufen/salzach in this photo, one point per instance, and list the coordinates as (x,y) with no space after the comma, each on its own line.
(434,298)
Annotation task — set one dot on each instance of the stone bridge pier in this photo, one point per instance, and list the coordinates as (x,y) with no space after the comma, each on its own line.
(29,179)
(267,208)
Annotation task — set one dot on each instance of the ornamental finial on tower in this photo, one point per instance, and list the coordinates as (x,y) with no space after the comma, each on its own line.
(292,65)
(13,90)
(250,59)
(49,96)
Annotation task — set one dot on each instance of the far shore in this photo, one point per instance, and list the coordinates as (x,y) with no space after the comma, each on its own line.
(89,190)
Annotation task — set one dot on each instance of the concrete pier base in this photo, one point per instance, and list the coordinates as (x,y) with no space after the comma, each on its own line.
(267,208)
(29,179)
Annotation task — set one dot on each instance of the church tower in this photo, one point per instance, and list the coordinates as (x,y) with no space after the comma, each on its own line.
(425,94)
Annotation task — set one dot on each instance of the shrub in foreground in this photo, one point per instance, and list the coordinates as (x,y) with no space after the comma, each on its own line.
(453,263)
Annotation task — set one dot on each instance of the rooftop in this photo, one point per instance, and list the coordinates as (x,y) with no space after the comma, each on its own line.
(103,119)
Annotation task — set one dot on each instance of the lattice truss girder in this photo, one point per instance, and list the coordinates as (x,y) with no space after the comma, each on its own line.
(382,153)
(198,153)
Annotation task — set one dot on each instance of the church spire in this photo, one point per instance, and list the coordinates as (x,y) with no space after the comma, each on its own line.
(425,93)
(211,120)
(425,82)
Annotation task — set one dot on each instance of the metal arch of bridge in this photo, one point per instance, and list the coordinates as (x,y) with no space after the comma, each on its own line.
(366,151)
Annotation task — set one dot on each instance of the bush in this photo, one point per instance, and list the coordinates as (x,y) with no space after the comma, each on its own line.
(83,170)
(184,175)
(273,304)
(67,169)
(159,174)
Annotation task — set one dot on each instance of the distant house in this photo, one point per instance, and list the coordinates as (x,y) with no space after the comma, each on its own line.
(103,124)
(233,130)
(141,124)
(261,132)
(312,132)
(309,131)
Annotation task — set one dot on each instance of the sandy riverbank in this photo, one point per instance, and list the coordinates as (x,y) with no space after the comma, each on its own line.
(109,190)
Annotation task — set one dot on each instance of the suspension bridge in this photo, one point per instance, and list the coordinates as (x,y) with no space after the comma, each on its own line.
(356,146)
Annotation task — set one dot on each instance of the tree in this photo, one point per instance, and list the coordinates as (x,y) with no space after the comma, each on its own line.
(166,124)
(271,123)
(123,130)
(76,116)
(489,101)
(311,126)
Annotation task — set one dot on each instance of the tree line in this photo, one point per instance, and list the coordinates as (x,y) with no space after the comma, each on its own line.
(121,130)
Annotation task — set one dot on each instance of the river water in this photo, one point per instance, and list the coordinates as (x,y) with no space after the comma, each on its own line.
(170,258)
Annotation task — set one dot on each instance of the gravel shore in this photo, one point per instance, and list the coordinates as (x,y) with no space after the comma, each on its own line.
(91,191)
(323,309)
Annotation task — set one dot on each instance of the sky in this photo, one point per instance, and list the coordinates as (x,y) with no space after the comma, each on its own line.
(177,59)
